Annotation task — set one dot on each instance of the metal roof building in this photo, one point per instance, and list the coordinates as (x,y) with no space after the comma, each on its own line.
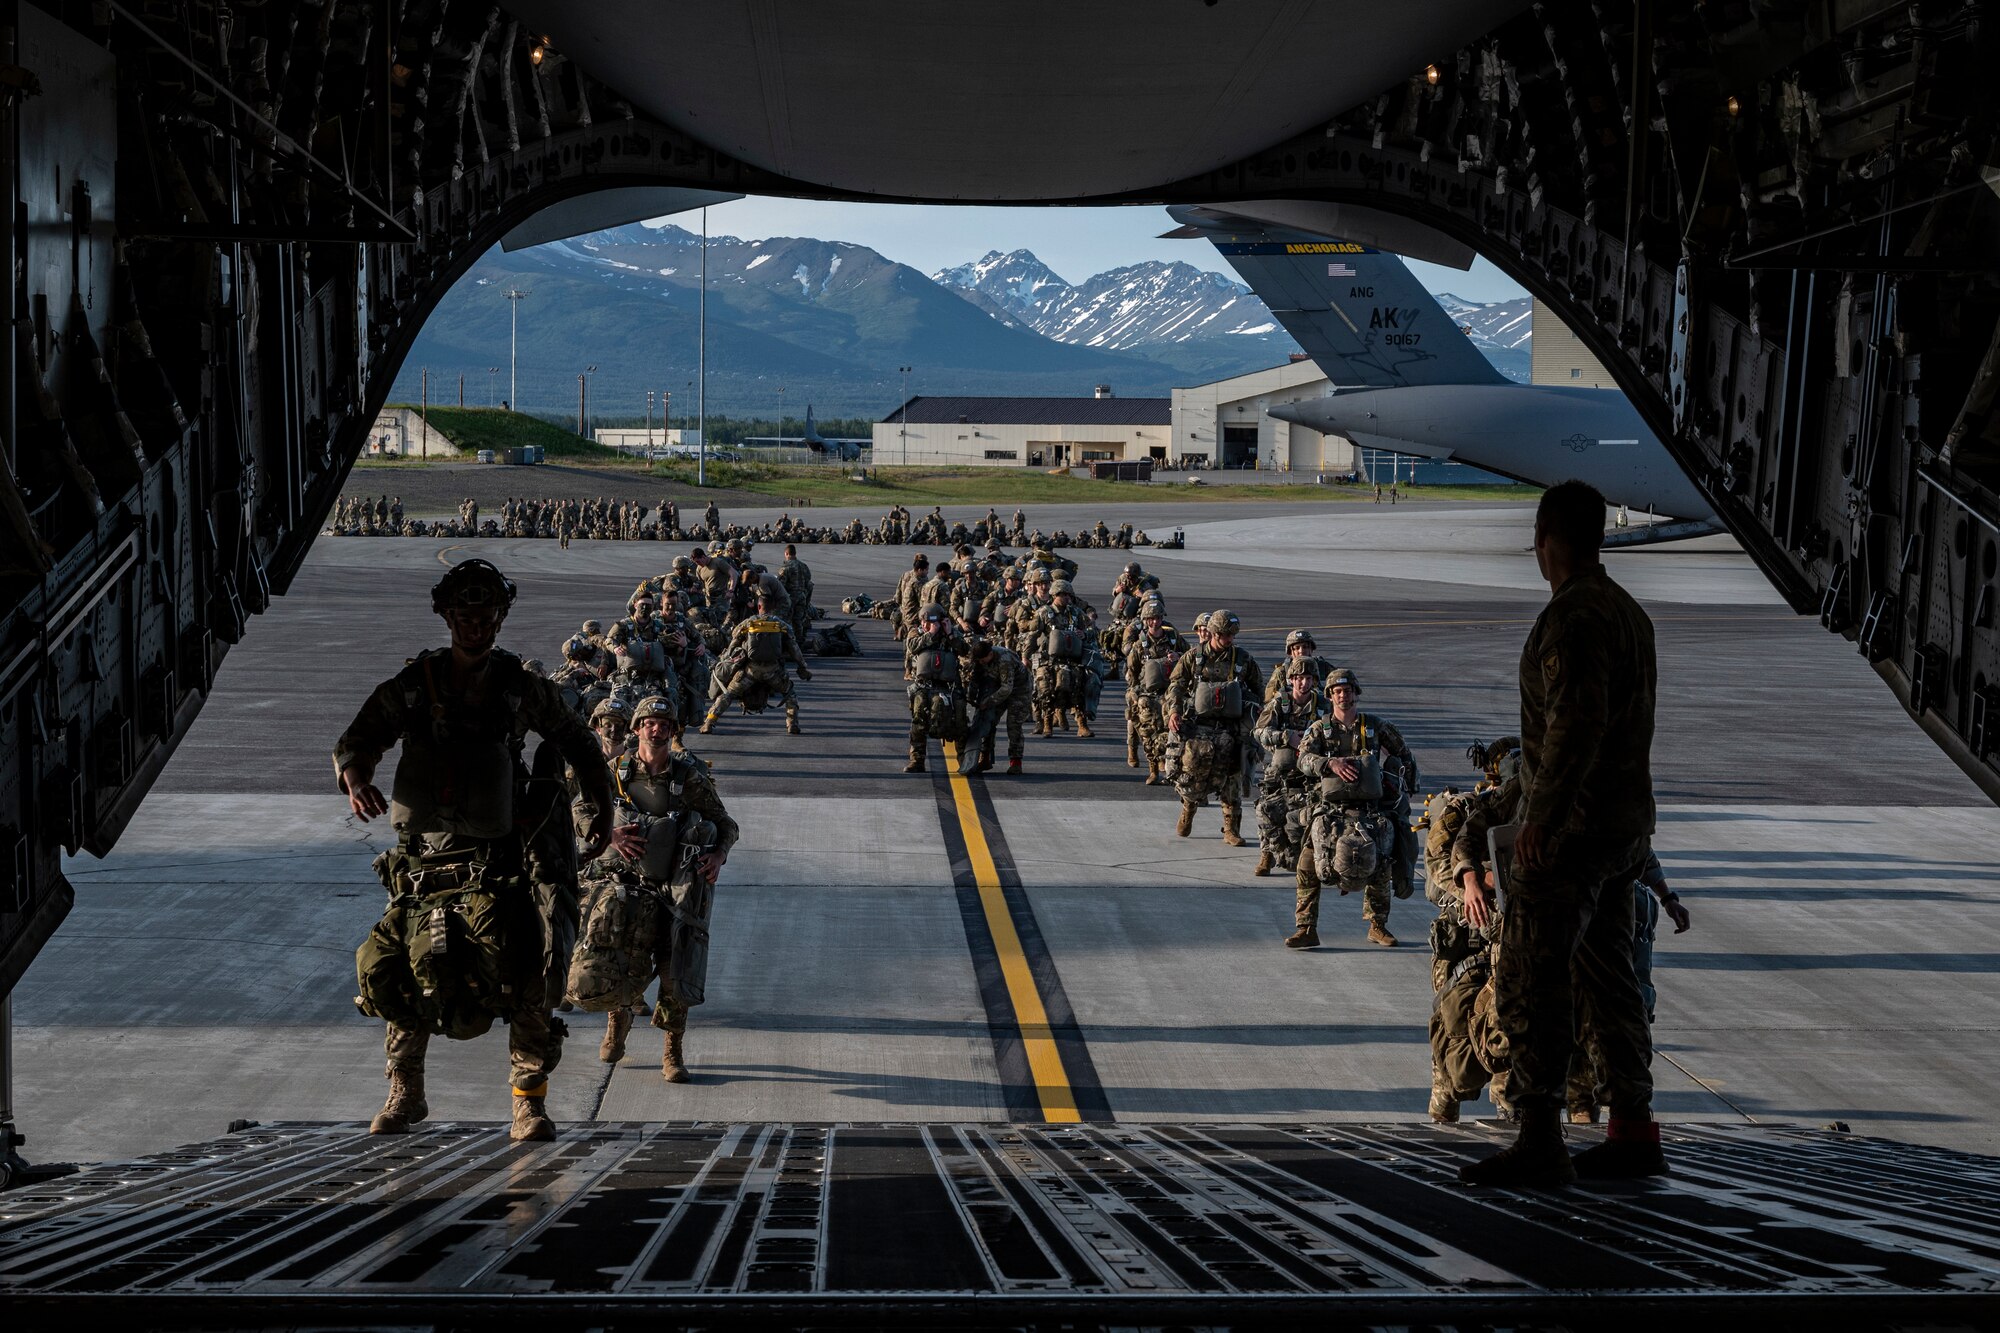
(1025,432)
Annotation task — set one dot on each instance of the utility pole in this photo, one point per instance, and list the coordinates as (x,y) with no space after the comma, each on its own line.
(424,415)
(903,429)
(701,359)
(649,424)
(583,401)
(461,388)
(514,298)
(491,371)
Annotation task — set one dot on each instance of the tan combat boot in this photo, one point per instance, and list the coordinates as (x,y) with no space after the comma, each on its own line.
(916,764)
(672,1066)
(1379,934)
(1186,824)
(1152,774)
(1131,750)
(1264,862)
(1444,1107)
(708,725)
(1305,937)
(1583,1115)
(1083,730)
(531,1118)
(616,1024)
(405,1105)
(1232,824)
(792,724)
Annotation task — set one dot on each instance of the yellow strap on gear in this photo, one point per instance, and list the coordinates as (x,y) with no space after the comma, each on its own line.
(539,1090)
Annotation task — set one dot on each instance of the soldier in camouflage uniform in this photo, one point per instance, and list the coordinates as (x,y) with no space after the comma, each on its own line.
(467,709)
(1211,703)
(998,688)
(1284,795)
(909,594)
(933,660)
(654,784)
(759,647)
(796,576)
(1336,750)
(1055,699)
(1466,1052)
(1588,683)
(1149,665)
(996,610)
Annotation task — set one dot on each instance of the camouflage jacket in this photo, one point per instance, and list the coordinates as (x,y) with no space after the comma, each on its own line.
(1330,738)
(1142,647)
(1588,682)
(1205,664)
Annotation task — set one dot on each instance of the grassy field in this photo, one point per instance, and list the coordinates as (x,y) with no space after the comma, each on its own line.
(835,486)
(475,428)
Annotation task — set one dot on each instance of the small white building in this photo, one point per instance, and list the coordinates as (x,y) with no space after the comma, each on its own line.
(637,440)
(1227,424)
(1025,432)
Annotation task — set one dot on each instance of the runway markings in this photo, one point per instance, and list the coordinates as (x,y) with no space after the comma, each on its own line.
(1045,1067)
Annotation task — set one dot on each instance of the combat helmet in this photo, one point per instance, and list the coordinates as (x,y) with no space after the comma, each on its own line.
(1133,568)
(1299,636)
(656,705)
(1342,676)
(931,612)
(612,707)
(1039,574)
(577,648)
(683,565)
(472,583)
(593,629)
(1224,623)
(1201,622)
(1060,588)
(1500,760)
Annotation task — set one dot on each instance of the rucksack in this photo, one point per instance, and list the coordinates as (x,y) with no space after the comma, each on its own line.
(617,945)
(765,642)
(436,962)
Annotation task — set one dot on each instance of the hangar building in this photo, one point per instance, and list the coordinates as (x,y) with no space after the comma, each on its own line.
(1224,424)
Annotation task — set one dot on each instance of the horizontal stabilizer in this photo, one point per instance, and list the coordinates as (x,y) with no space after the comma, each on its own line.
(1652,534)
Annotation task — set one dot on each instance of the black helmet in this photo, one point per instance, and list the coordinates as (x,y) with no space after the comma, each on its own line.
(472,583)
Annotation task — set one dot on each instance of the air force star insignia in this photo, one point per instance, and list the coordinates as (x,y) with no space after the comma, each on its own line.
(1578,442)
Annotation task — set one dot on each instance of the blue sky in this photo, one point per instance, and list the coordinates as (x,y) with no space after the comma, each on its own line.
(1075,242)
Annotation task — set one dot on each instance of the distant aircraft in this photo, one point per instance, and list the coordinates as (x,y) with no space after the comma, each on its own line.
(813,440)
(1407,379)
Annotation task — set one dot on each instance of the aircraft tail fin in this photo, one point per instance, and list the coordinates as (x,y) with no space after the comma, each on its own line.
(1357,311)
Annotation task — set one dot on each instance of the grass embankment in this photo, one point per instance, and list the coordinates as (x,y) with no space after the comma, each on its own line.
(474,428)
(828,485)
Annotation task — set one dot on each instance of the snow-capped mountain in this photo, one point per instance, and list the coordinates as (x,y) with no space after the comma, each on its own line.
(1503,330)
(1152,306)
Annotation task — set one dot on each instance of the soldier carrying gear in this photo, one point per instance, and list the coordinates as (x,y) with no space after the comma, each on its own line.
(1068,671)
(1284,796)
(647,899)
(1300,648)
(1359,810)
(753,666)
(933,658)
(997,684)
(909,594)
(1149,663)
(612,722)
(1210,706)
(484,862)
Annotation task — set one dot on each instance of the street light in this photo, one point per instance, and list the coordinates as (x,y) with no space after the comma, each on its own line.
(514,298)
(583,400)
(491,371)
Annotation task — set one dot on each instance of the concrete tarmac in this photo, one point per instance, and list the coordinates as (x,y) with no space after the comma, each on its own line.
(1847,928)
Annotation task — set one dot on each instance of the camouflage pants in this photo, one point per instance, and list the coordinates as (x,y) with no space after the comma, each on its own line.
(1457,1071)
(772,679)
(1588,1081)
(1565,965)
(534,1046)
(1281,824)
(1211,765)
(1148,716)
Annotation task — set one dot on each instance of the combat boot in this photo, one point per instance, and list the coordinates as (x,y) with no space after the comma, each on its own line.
(1305,937)
(673,1067)
(405,1105)
(1232,824)
(792,724)
(1536,1159)
(1152,774)
(1131,750)
(1185,825)
(1264,862)
(986,755)
(617,1023)
(1379,934)
(531,1118)
(1014,766)
(1083,731)
(1583,1115)
(1444,1107)
(916,764)
(708,725)
(1631,1149)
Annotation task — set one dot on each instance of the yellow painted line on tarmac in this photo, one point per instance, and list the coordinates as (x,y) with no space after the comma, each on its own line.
(1037,1038)
(1505,620)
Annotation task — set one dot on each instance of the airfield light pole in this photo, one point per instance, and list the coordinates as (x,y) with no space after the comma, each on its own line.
(583,401)
(701,361)
(649,423)
(514,298)
(903,427)
(491,371)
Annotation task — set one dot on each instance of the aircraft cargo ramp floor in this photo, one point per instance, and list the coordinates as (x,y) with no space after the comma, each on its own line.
(891,1223)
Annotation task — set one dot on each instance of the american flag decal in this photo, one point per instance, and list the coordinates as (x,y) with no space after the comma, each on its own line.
(1340,271)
